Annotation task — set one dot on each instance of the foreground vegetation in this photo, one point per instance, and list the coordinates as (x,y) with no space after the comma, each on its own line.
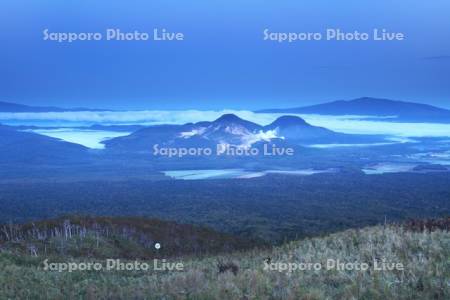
(423,249)
(116,237)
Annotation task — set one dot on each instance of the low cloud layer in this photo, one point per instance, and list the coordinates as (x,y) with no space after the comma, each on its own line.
(346,124)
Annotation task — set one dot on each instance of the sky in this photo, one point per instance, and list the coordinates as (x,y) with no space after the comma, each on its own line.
(223,61)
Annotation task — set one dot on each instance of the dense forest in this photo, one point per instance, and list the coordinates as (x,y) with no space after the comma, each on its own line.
(273,208)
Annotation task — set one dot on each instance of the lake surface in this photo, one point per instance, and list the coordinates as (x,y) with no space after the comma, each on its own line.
(438,158)
(389,167)
(237,173)
(88,138)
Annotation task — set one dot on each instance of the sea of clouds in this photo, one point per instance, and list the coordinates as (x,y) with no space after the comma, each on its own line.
(346,124)
(92,138)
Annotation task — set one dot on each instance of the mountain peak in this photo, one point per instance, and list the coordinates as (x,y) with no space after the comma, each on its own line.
(366,99)
(287,121)
(231,119)
(228,118)
(290,121)
(370,100)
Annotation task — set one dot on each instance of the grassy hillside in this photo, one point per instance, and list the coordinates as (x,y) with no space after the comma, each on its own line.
(423,249)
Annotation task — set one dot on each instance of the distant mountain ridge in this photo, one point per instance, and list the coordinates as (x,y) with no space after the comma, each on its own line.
(391,110)
(400,110)
(14,107)
(231,130)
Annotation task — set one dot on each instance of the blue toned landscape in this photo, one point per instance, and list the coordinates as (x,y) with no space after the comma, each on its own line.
(86,137)
(160,157)
(229,150)
(375,144)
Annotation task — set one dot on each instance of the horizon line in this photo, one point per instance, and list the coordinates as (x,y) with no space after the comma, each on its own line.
(85,108)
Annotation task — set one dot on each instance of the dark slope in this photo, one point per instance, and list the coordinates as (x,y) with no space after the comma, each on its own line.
(30,148)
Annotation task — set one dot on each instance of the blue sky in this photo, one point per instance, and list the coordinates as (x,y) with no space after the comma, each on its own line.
(223,61)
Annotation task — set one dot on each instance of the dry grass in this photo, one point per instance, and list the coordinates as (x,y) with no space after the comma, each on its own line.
(425,256)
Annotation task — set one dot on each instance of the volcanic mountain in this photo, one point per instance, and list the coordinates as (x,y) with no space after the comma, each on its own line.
(228,129)
(231,130)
